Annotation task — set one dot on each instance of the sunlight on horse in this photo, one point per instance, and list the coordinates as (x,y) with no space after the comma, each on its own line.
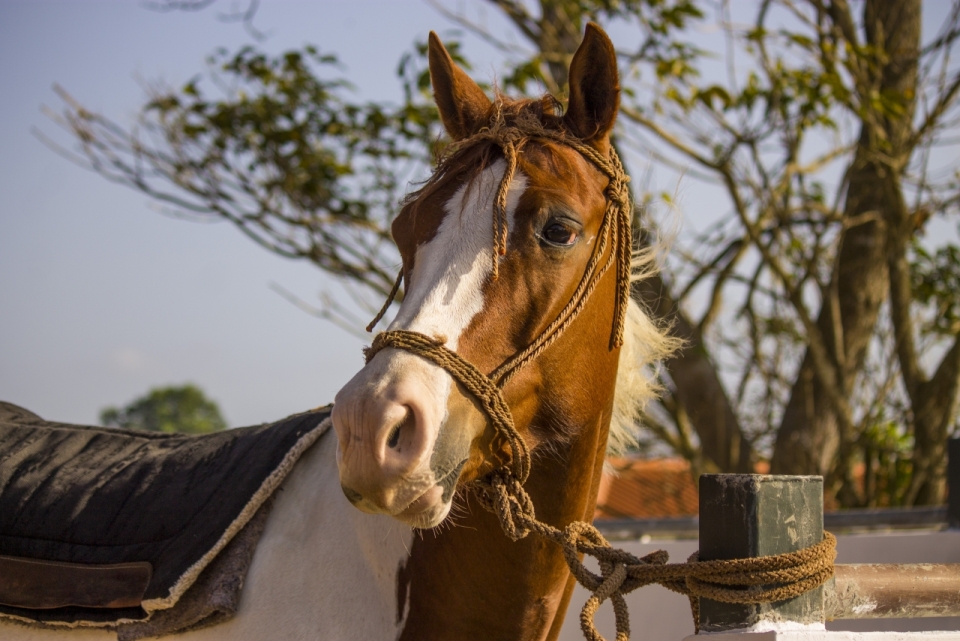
(409,438)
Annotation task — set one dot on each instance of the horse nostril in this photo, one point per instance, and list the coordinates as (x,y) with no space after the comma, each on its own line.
(352,495)
(394,439)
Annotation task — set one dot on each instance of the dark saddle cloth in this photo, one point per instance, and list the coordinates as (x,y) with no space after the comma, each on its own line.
(94,496)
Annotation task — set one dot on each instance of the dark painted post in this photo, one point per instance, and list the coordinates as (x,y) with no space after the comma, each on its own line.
(749,515)
(953,483)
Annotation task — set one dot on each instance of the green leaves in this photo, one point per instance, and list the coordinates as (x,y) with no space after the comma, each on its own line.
(887,460)
(935,277)
(176,409)
(278,146)
(787,115)
(288,130)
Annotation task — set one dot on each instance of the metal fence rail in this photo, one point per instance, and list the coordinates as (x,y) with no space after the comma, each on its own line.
(886,591)
(688,527)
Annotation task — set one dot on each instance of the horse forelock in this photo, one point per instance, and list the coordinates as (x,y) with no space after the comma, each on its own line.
(465,159)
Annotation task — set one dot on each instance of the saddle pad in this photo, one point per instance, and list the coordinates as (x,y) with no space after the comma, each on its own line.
(102,496)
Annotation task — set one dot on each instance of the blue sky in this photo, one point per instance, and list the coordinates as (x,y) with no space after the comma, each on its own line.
(104,297)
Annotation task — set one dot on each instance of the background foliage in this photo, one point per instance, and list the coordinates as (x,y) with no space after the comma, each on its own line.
(175,409)
(821,323)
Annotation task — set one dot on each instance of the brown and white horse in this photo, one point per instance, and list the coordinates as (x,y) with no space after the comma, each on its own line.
(408,435)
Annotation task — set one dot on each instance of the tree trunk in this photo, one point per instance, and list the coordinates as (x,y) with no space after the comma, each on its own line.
(560,33)
(933,400)
(808,439)
(933,414)
(698,387)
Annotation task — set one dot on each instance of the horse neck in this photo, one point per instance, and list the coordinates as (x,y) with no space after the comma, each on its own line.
(468,580)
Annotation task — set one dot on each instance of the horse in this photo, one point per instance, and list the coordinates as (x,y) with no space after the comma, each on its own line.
(376,533)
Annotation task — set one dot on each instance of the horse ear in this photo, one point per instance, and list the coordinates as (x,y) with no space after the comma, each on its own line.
(594,87)
(463,106)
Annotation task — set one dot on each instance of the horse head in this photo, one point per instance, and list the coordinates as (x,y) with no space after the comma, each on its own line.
(512,228)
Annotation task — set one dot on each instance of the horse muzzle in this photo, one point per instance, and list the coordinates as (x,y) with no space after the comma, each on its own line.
(388,419)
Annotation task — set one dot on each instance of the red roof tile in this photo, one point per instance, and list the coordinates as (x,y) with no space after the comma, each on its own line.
(651,488)
(646,488)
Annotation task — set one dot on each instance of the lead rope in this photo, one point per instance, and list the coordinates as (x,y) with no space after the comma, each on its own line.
(757,580)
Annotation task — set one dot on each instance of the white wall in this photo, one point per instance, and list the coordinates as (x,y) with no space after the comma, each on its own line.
(656,614)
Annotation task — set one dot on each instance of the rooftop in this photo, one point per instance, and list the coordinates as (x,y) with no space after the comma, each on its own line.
(639,488)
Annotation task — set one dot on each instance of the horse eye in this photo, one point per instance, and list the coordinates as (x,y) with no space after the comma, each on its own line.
(557,233)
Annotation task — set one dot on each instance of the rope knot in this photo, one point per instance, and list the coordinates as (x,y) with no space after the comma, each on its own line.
(509,137)
(502,494)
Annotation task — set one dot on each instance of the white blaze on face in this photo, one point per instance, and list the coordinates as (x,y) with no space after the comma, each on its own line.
(445,294)
(449,271)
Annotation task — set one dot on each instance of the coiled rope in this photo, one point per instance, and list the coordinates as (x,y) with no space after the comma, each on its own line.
(756,580)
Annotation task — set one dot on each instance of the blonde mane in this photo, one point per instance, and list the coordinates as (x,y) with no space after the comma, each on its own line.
(645,345)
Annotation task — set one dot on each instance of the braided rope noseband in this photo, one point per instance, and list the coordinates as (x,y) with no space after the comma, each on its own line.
(757,580)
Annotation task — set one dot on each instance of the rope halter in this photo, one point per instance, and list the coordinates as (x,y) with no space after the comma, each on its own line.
(614,234)
(502,492)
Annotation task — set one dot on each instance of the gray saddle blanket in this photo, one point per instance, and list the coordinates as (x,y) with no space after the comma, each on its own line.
(190,506)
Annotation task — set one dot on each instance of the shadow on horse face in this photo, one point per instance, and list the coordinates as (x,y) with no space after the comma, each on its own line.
(408,433)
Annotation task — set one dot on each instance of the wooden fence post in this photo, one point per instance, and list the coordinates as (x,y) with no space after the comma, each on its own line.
(749,515)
